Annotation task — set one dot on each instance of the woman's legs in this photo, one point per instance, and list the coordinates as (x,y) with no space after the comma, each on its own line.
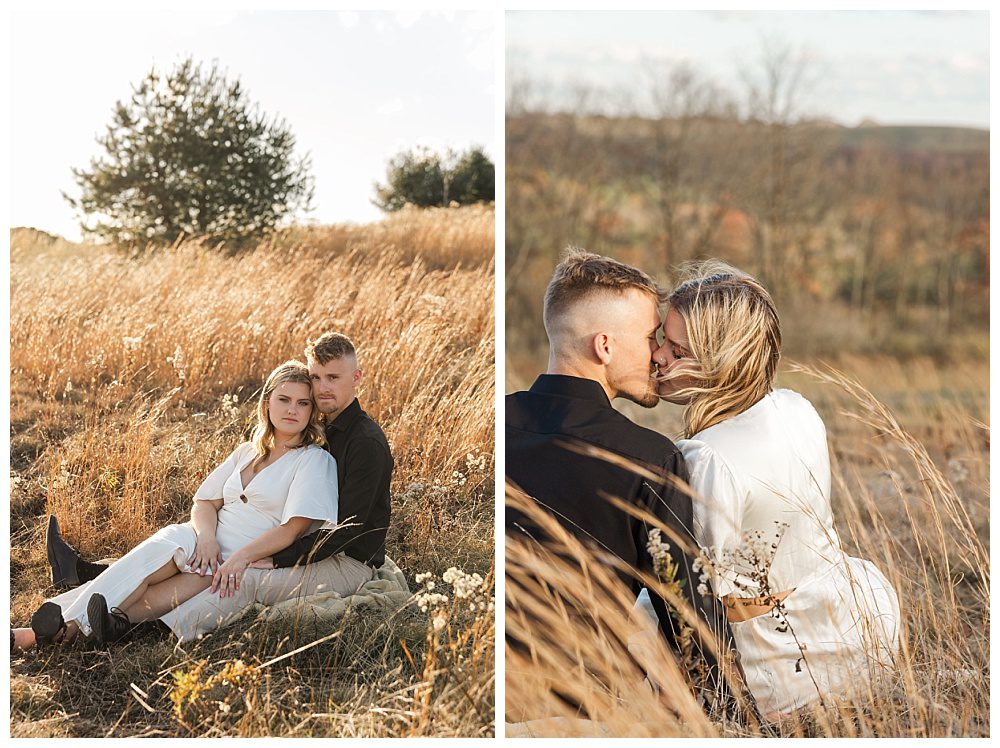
(160,598)
(125,581)
(162,574)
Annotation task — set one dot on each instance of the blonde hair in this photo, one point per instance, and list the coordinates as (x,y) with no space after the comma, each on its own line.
(581,274)
(734,334)
(263,432)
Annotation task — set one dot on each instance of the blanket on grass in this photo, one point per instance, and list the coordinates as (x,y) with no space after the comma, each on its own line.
(387,592)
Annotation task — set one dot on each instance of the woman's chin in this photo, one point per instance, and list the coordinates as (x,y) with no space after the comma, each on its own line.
(287,433)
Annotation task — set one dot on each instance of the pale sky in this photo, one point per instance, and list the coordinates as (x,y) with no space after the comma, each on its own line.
(896,67)
(355,88)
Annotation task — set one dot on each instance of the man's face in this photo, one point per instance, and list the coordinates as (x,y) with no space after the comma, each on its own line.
(631,367)
(334,384)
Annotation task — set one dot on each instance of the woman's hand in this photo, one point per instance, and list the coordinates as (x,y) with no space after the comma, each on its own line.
(228,577)
(207,556)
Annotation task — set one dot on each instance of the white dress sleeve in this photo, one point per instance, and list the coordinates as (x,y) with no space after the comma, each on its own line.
(718,506)
(211,488)
(313,492)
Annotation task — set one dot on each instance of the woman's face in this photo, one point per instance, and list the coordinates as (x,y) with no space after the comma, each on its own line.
(289,407)
(672,356)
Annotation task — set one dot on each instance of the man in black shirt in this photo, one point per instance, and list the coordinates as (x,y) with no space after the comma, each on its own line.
(338,560)
(601,318)
(364,462)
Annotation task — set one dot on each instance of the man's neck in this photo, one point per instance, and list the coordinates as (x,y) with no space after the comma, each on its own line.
(570,369)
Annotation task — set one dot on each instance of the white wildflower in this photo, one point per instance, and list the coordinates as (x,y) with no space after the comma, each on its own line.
(464,585)
(658,548)
(231,405)
(475,462)
(427,600)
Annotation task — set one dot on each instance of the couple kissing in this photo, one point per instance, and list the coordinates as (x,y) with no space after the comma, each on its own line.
(750,478)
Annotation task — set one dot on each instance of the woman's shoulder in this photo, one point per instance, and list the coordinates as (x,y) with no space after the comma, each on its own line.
(738,441)
(791,398)
(784,403)
(243,450)
(313,454)
(794,406)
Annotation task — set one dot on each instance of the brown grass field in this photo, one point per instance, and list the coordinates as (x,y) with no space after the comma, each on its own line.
(909,445)
(122,370)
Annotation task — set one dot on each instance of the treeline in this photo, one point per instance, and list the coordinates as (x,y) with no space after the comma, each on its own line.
(892,223)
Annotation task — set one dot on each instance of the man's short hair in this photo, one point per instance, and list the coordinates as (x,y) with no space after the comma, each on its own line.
(328,347)
(582,273)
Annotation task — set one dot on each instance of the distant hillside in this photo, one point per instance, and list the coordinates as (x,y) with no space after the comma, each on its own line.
(881,219)
(917,138)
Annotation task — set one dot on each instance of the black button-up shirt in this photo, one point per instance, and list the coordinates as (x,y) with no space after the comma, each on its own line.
(560,410)
(364,472)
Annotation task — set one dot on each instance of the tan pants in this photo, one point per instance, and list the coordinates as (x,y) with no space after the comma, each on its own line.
(207,611)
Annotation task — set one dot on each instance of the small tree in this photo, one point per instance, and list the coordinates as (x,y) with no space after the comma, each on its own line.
(473,179)
(188,154)
(414,177)
(425,178)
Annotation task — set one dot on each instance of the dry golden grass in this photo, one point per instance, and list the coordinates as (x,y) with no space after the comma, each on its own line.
(120,367)
(910,493)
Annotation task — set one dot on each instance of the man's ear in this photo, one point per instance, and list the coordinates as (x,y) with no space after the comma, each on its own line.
(601,343)
(356,377)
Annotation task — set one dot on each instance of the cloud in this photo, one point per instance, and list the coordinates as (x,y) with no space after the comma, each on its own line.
(349,18)
(481,55)
(740,16)
(393,106)
(963,62)
(478,21)
(408,18)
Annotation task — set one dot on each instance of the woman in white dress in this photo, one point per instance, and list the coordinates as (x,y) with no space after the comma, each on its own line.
(808,620)
(267,493)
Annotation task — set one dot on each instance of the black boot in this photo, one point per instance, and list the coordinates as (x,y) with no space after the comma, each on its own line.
(106,627)
(68,569)
(48,624)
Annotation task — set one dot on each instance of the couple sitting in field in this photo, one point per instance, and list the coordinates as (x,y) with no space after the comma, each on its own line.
(302,508)
(813,621)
